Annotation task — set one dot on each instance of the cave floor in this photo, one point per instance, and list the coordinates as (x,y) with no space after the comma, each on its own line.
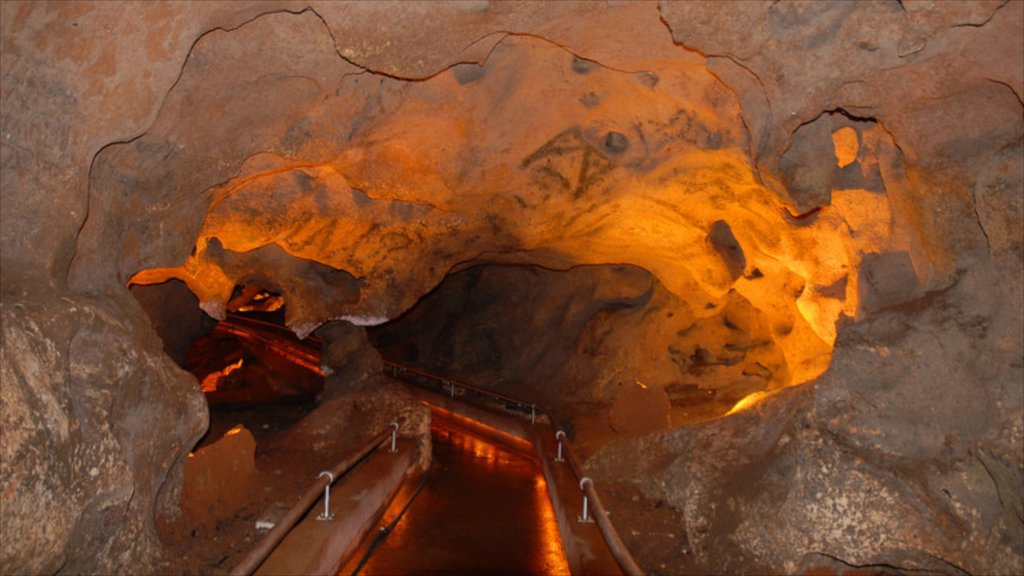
(213,539)
(214,532)
(477,514)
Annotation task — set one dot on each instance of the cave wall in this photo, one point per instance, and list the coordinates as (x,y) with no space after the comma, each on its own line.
(904,456)
(174,313)
(133,134)
(97,422)
(576,341)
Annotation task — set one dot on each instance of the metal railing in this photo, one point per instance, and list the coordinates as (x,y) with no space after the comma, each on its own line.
(240,320)
(590,498)
(322,485)
(455,388)
(304,353)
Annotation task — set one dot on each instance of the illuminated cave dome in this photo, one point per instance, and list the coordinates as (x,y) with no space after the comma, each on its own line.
(645,162)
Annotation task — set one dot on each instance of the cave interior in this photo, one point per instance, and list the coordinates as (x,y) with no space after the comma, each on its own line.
(763,261)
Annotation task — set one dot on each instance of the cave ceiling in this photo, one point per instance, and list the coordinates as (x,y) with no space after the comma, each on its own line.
(351,169)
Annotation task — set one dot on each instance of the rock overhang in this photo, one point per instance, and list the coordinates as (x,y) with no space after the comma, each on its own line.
(542,155)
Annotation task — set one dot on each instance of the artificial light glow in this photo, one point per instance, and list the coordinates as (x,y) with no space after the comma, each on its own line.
(474,425)
(211,380)
(555,560)
(237,429)
(294,353)
(477,447)
(748,401)
(264,302)
(844,140)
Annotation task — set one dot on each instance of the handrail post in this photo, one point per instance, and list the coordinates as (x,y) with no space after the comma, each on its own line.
(326,514)
(394,437)
(284,525)
(585,517)
(558,436)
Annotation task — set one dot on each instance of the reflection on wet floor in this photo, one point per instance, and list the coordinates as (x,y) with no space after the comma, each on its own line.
(484,509)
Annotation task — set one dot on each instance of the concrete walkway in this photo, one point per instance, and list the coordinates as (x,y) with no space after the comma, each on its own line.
(585,548)
(357,501)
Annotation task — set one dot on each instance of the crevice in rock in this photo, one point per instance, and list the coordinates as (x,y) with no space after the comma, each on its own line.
(983,22)
(88,202)
(743,113)
(981,225)
(886,568)
(505,35)
(755,147)
(1016,94)
(160,107)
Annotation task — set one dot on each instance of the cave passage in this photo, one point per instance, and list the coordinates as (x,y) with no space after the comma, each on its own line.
(484,509)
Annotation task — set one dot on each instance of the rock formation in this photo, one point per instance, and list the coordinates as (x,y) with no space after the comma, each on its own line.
(820,203)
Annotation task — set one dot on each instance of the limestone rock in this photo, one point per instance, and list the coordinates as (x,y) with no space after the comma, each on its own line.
(883,461)
(639,409)
(220,477)
(885,279)
(348,357)
(96,423)
(724,242)
(175,315)
(527,333)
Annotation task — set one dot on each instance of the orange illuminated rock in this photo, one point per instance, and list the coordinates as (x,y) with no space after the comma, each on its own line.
(220,477)
(846,146)
(613,168)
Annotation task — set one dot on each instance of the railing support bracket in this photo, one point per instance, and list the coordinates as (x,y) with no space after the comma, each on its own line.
(585,517)
(326,514)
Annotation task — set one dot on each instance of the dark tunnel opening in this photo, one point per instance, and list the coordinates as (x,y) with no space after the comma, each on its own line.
(253,371)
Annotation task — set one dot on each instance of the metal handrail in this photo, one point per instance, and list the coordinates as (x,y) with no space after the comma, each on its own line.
(266,546)
(395,366)
(604,523)
(611,536)
(298,352)
(238,319)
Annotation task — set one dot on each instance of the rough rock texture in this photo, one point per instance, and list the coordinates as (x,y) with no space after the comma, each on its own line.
(174,314)
(222,477)
(347,358)
(924,70)
(585,338)
(877,464)
(354,201)
(96,424)
(352,155)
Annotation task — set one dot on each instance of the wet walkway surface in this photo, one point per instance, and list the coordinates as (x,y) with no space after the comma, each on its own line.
(484,509)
